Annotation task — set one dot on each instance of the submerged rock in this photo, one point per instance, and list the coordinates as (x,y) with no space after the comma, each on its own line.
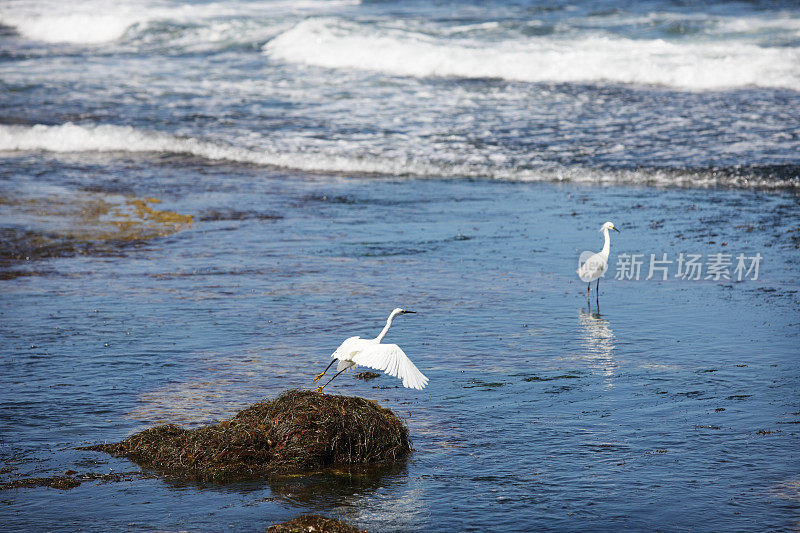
(313,523)
(70,480)
(56,482)
(298,431)
(78,223)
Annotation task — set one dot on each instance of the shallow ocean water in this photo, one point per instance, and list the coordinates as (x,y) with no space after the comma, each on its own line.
(674,407)
(340,159)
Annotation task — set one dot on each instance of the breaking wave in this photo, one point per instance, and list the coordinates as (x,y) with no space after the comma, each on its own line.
(94,22)
(70,137)
(330,43)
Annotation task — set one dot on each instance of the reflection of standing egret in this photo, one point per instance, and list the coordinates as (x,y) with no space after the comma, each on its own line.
(595,265)
(598,338)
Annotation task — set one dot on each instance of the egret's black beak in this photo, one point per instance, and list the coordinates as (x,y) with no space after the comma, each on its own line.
(406,312)
(615,229)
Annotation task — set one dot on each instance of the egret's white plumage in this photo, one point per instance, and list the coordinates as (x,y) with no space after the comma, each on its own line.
(597,264)
(371,353)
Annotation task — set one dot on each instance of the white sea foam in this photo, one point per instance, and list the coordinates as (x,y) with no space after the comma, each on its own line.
(84,28)
(70,137)
(107,138)
(87,22)
(330,43)
(755,25)
(99,21)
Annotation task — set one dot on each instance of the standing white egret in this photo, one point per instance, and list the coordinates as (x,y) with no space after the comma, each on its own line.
(388,358)
(596,264)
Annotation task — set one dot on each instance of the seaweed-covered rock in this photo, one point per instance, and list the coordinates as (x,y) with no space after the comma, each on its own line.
(312,523)
(298,431)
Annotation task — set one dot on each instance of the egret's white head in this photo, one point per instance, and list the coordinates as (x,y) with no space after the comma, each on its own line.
(399,311)
(608,226)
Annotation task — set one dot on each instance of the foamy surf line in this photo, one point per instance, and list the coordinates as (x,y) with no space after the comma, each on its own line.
(93,22)
(75,28)
(74,138)
(107,138)
(336,44)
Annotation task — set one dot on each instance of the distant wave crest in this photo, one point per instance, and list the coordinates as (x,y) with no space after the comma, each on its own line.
(331,43)
(70,137)
(94,22)
(73,28)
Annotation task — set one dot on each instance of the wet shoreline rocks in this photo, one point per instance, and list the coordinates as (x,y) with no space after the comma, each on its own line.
(300,431)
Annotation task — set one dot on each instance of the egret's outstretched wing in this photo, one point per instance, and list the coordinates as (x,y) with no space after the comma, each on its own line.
(392,360)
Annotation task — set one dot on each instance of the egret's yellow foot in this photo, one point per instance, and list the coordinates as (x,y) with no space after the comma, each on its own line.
(319,376)
(319,389)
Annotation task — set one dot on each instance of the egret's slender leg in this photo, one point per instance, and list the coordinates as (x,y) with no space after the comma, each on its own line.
(319,376)
(319,389)
(589,293)
(596,296)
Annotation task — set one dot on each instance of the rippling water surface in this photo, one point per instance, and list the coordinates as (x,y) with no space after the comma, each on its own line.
(339,159)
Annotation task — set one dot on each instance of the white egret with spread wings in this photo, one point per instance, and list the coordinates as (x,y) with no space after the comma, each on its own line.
(371,353)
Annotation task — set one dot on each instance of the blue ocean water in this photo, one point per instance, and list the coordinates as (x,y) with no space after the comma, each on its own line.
(343,158)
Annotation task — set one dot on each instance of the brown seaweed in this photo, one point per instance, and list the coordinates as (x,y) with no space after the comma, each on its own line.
(298,431)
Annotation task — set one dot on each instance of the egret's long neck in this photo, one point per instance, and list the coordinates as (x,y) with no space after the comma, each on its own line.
(606,245)
(385,329)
